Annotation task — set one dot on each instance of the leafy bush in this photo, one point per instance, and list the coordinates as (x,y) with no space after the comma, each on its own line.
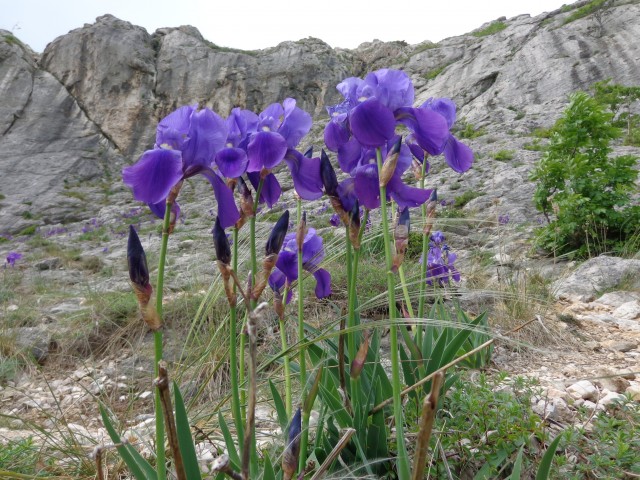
(582,191)
(585,10)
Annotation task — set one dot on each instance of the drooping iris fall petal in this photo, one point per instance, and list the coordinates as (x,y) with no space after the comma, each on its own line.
(305,173)
(323,283)
(457,155)
(372,123)
(232,162)
(429,128)
(271,190)
(367,186)
(227,211)
(265,150)
(335,135)
(154,174)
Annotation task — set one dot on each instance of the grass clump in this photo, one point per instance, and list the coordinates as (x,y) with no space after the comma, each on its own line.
(494,27)
(503,155)
(430,75)
(467,130)
(585,10)
(466,197)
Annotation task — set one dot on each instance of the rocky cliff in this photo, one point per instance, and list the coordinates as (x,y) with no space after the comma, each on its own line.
(71,117)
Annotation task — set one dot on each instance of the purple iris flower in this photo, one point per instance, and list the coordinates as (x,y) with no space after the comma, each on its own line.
(364,184)
(440,261)
(187,141)
(12,258)
(312,254)
(457,155)
(367,119)
(503,219)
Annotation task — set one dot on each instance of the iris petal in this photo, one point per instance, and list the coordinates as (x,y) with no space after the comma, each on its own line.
(312,250)
(367,186)
(207,135)
(232,162)
(347,194)
(429,128)
(335,135)
(159,208)
(323,283)
(372,123)
(296,124)
(271,189)
(276,280)
(305,173)
(266,149)
(458,156)
(154,174)
(406,196)
(443,106)
(227,210)
(349,155)
(172,129)
(288,264)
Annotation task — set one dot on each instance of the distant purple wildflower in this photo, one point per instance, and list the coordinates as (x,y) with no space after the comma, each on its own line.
(503,219)
(440,260)
(12,257)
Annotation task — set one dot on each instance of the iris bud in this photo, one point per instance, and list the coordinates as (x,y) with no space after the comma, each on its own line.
(328,174)
(292,451)
(221,243)
(137,260)
(390,163)
(309,152)
(354,225)
(401,237)
(301,232)
(276,238)
(358,363)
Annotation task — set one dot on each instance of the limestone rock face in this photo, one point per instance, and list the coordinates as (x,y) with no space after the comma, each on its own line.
(47,143)
(109,68)
(96,94)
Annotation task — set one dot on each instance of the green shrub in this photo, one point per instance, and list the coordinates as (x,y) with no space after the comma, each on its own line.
(466,197)
(583,192)
(467,130)
(494,27)
(585,10)
(434,73)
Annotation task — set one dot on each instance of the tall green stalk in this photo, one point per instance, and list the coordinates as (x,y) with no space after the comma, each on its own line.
(404,472)
(423,265)
(157,345)
(302,357)
(287,362)
(233,354)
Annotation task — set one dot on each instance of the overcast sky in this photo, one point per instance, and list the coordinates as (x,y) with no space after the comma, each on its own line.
(252,24)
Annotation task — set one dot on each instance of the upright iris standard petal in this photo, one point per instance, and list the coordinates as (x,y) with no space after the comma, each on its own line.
(265,150)
(153,176)
(429,128)
(457,155)
(349,89)
(443,106)
(270,118)
(305,173)
(392,88)
(173,129)
(240,124)
(312,249)
(207,135)
(367,186)
(323,283)
(232,162)
(296,123)
(372,123)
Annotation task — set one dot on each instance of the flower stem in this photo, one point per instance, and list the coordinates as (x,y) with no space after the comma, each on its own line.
(404,472)
(233,354)
(287,367)
(157,345)
(425,249)
(302,358)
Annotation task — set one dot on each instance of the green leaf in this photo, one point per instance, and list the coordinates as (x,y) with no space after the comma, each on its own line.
(281,411)
(545,465)
(517,466)
(185,440)
(269,473)
(138,466)
(228,440)
(337,408)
